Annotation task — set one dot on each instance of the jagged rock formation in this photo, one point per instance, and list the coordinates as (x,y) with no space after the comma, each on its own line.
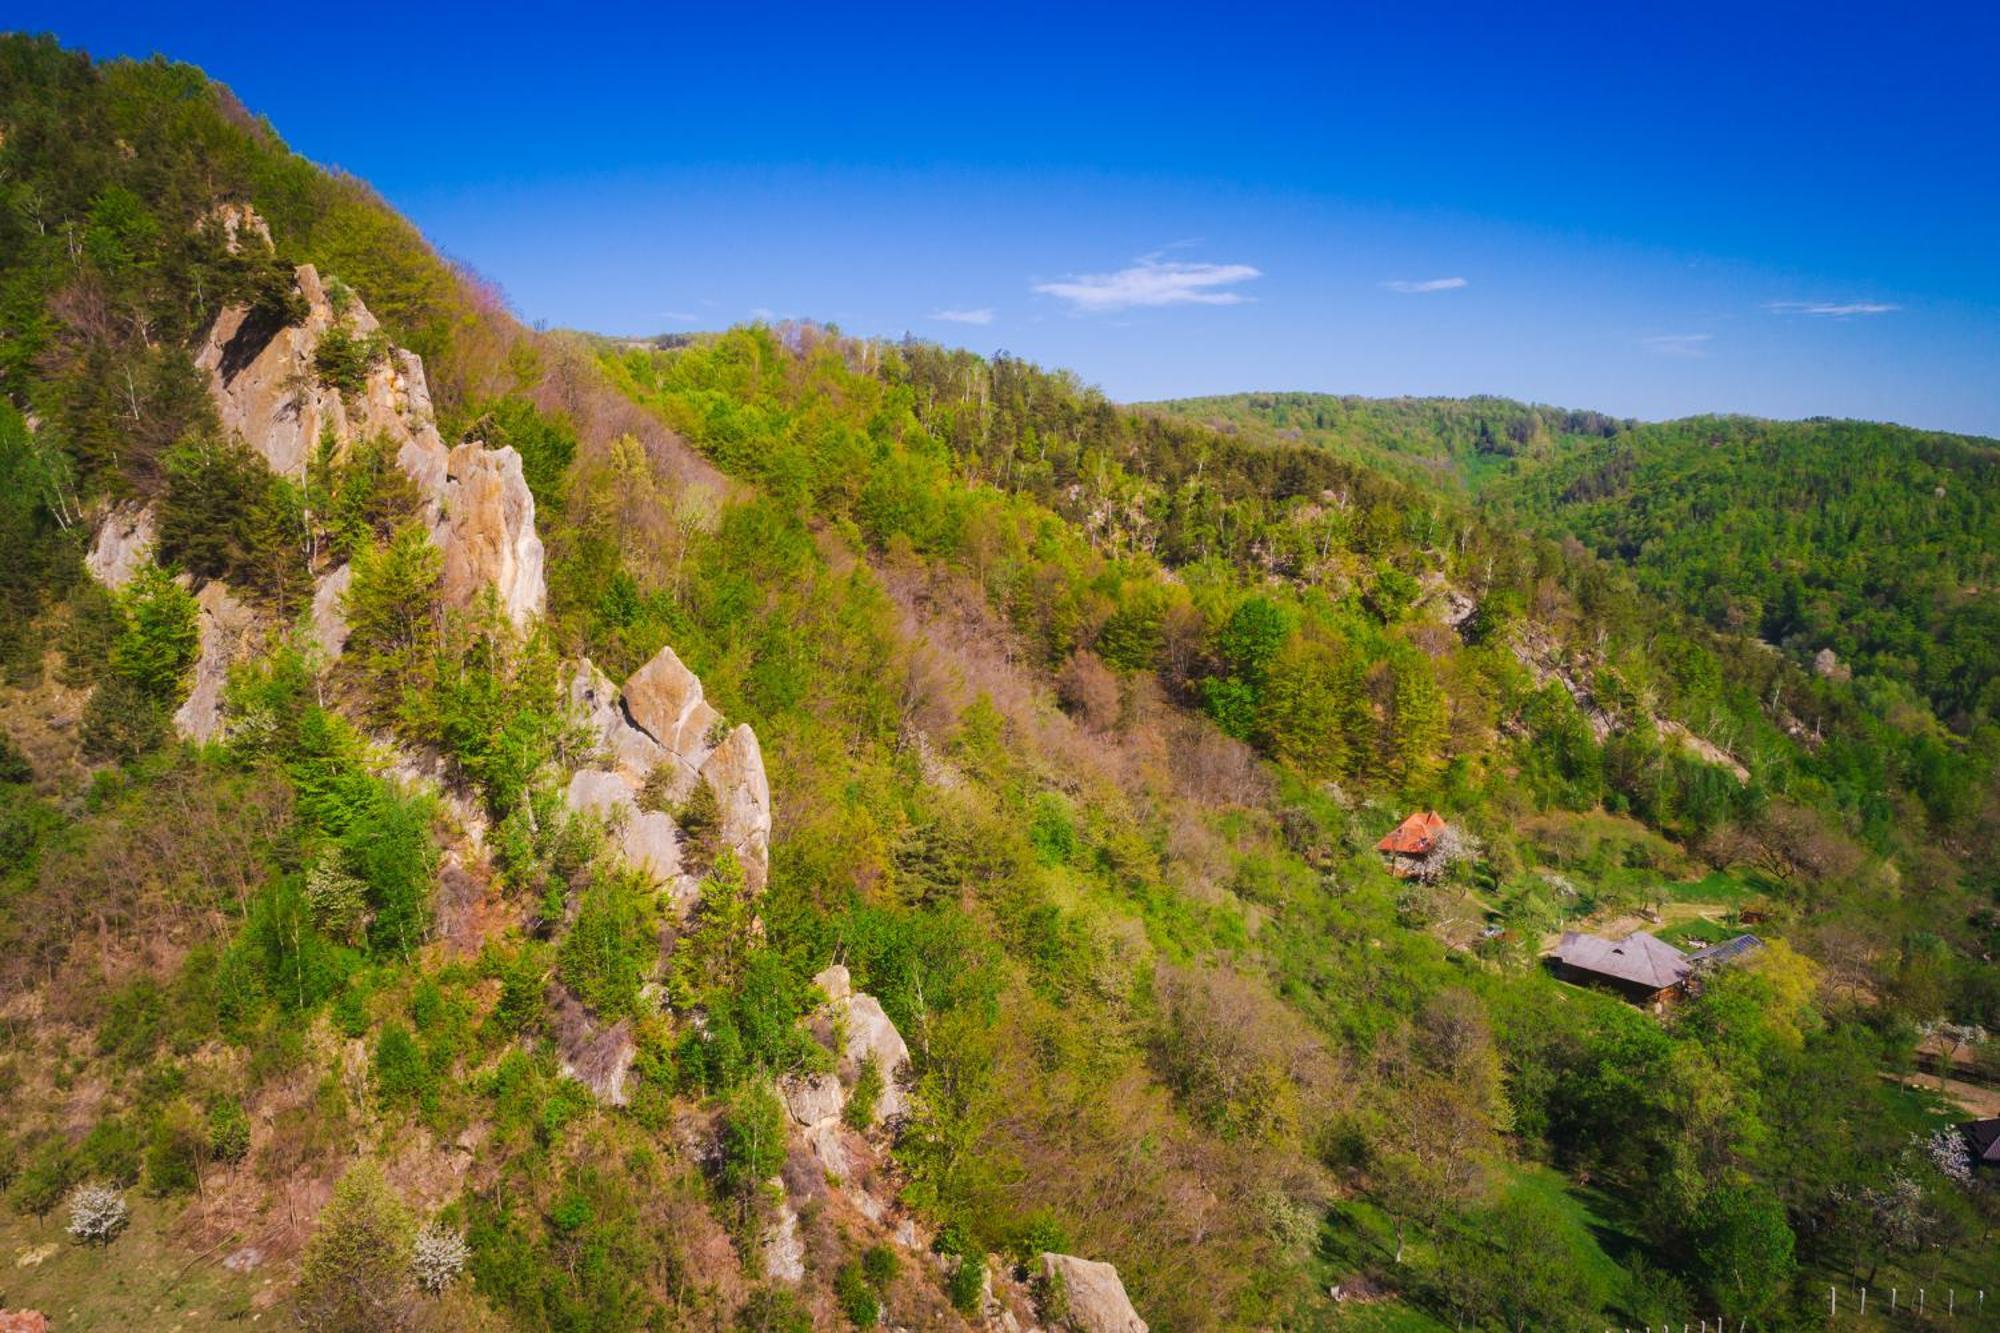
(783,1249)
(649,840)
(662,718)
(743,796)
(265,379)
(488,532)
(595,703)
(267,387)
(872,1036)
(227,635)
(664,699)
(125,540)
(597,1055)
(1086,1297)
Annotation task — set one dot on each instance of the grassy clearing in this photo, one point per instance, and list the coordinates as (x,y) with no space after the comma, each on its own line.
(143,1280)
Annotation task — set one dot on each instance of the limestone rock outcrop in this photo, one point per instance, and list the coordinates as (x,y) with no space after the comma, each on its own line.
(329,610)
(782,1248)
(488,532)
(735,771)
(1084,1296)
(648,839)
(125,540)
(871,1035)
(227,630)
(267,388)
(595,1054)
(595,705)
(265,378)
(813,1099)
(664,699)
(661,717)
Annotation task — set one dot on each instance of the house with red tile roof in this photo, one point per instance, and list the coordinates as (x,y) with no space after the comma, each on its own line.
(1409,846)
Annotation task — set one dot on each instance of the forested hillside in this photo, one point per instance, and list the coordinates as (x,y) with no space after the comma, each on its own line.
(783,831)
(1871,543)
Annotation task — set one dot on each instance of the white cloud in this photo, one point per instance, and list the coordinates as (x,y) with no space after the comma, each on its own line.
(1427,285)
(983,315)
(1679,344)
(679,316)
(1830,309)
(1151,282)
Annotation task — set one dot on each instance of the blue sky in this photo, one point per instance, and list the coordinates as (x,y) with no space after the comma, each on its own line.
(1789,210)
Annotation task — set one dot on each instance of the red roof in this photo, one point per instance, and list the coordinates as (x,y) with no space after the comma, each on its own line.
(1415,836)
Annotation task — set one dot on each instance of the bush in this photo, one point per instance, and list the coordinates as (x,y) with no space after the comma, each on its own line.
(161,640)
(122,722)
(356,1272)
(880,1264)
(439,1256)
(857,1298)
(859,1113)
(41,1184)
(175,1154)
(228,1132)
(603,958)
(402,1076)
(342,361)
(97,1213)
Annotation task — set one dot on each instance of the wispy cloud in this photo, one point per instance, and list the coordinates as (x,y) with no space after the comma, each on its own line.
(1679,344)
(679,316)
(1413,288)
(983,315)
(1830,309)
(1151,281)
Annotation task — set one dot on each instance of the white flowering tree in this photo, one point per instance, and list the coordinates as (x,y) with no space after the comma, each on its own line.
(1950,1154)
(439,1256)
(97,1213)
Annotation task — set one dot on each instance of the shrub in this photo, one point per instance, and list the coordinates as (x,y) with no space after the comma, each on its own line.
(228,1132)
(160,640)
(857,1298)
(604,956)
(439,1256)
(47,1177)
(338,899)
(753,1147)
(342,361)
(401,1074)
(97,1213)
(356,1272)
(175,1154)
(121,721)
(879,1264)
(700,820)
(859,1112)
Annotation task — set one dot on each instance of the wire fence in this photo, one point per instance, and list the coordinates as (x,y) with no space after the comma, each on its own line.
(1853,1304)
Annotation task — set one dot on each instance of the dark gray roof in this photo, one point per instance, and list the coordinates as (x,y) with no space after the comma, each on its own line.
(1728,951)
(1638,959)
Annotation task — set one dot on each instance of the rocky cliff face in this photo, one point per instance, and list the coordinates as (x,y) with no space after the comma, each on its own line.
(125,540)
(488,532)
(228,634)
(268,390)
(661,718)
(266,383)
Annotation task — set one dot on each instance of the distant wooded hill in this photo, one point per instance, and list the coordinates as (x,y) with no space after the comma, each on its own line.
(1874,543)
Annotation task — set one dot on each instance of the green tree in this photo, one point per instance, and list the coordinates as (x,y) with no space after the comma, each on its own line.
(355,1275)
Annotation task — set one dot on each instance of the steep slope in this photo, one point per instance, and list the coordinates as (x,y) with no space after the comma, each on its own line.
(916,865)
